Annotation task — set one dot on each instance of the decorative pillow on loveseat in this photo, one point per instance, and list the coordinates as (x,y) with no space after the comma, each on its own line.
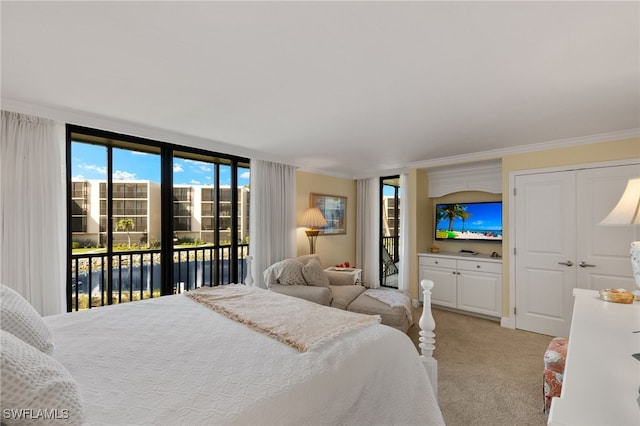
(314,274)
(285,272)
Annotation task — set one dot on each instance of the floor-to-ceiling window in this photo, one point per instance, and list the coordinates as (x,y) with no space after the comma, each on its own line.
(389,230)
(147,218)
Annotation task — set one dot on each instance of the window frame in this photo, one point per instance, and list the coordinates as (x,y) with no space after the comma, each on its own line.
(167,152)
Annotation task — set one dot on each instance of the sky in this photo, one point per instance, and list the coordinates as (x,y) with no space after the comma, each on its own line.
(90,162)
(388,191)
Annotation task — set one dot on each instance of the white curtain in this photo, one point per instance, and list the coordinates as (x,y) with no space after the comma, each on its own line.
(368,209)
(32,210)
(403,267)
(272,221)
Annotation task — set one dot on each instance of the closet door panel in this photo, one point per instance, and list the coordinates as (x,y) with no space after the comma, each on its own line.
(545,235)
(602,255)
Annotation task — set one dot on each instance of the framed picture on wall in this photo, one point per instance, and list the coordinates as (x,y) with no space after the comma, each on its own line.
(334,210)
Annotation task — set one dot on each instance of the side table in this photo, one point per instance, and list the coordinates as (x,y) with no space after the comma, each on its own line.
(342,274)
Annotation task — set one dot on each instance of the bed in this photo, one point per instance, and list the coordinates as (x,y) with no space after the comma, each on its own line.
(172,360)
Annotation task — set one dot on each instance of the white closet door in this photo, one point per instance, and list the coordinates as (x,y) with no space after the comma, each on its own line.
(545,235)
(603,251)
(561,245)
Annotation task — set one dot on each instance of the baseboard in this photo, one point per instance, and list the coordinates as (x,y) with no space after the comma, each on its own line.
(469,313)
(508,322)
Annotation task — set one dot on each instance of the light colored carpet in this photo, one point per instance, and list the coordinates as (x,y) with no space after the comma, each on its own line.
(488,375)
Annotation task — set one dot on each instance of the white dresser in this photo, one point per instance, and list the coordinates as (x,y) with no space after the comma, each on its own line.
(466,282)
(601,378)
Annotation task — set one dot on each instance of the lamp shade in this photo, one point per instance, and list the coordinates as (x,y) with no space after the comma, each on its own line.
(627,211)
(312,218)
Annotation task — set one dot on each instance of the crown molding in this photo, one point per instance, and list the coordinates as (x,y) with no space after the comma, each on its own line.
(498,153)
(324,172)
(96,121)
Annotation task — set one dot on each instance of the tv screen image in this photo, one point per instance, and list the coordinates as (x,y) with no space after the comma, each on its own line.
(469,221)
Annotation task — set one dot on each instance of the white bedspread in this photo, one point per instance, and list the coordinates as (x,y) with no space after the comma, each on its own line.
(173,361)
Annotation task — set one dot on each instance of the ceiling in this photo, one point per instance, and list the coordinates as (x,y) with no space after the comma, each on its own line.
(351,89)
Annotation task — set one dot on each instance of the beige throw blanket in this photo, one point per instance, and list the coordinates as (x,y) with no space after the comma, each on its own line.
(295,322)
(393,298)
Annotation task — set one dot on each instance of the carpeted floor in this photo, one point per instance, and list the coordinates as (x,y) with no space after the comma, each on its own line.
(488,375)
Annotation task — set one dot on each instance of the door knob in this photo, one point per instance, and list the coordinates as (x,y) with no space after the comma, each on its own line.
(584,264)
(567,263)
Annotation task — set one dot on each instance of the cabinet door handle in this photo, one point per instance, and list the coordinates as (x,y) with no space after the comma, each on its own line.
(584,264)
(567,263)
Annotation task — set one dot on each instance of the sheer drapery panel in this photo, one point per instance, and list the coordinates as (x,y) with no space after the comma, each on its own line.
(32,210)
(368,230)
(273,215)
(403,267)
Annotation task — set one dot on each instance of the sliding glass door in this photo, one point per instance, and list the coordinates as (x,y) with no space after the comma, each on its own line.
(148,219)
(389,230)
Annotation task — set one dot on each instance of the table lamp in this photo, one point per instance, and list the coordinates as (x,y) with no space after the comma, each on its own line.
(313,219)
(627,212)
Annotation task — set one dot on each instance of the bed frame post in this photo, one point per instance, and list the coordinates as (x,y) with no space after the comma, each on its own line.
(427,336)
(248,281)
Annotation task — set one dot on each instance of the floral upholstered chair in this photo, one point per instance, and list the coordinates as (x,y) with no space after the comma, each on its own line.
(553,374)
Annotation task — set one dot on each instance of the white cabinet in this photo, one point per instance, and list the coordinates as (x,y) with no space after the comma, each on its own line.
(442,272)
(480,287)
(465,283)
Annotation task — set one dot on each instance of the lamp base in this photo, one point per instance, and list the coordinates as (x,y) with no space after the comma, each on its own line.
(635,265)
(312,234)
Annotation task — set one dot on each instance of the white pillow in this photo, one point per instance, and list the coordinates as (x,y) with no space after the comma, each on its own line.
(36,389)
(287,272)
(19,318)
(314,274)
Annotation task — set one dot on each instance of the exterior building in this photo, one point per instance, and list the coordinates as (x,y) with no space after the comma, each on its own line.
(391,228)
(79,206)
(139,200)
(195,216)
(390,216)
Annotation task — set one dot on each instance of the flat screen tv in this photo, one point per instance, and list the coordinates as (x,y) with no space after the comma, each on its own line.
(469,221)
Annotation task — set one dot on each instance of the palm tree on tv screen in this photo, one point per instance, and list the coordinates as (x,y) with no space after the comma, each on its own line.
(464,215)
(451,212)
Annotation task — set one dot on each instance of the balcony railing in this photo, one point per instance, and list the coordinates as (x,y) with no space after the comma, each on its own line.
(389,269)
(392,246)
(135,274)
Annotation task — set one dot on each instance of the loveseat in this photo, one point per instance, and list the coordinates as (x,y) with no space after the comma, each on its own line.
(305,278)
